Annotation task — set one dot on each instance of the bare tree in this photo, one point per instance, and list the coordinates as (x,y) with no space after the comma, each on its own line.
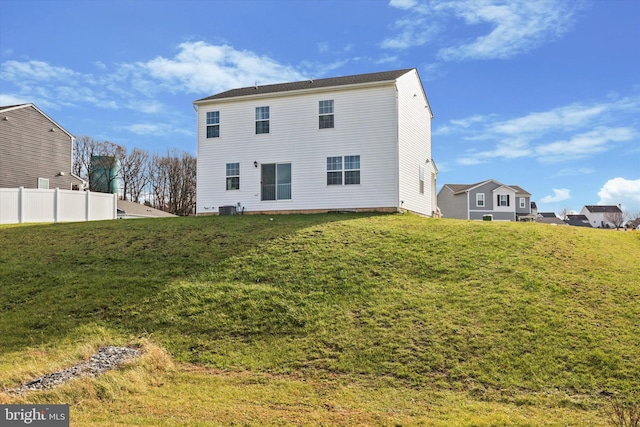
(97,162)
(616,218)
(564,212)
(134,174)
(173,182)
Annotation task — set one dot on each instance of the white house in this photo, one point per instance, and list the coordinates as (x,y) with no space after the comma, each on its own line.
(603,216)
(360,142)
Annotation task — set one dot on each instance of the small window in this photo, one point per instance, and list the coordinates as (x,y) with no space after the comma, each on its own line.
(503,200)
(43,183)
(233,176)
(337,175)
(523,203)
(480,200)
(262,120)
(421,179)
(213,124)
(325,111)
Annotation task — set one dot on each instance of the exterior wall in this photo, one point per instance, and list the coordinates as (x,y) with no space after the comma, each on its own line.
(365,124)
(489,200)
(29,150)
(527,205)
(452,205)
(497,216)
(597,219)
(414,146)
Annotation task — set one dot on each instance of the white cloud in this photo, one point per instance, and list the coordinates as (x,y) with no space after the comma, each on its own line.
(516,26)
(574,172)
(625,192)
(585,144)
(580,130)
(199,67)
(559,195)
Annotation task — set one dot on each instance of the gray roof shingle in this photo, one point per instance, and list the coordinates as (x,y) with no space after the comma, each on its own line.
(310,84)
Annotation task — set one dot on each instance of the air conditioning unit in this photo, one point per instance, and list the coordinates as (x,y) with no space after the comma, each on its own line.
(227,210)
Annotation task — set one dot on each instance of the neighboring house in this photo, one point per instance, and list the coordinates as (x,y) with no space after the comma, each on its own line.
(35,151)
(600,216)
(577,220)
(487,198)
(360,142)
(549,218)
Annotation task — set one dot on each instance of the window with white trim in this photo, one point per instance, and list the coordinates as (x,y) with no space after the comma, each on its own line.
(480,200)
(503,200)
(213,124)
(523,203)
(43,183)
(343,170)
(421,179)
(233,176)
(325,111)
(262,120)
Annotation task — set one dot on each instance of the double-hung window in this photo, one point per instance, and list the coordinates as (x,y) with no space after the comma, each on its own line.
(325,111)
(262,120)
(421,179)
(503,200)
(343,170)
(233,176)
(523,203)
(479,200)
(213,124)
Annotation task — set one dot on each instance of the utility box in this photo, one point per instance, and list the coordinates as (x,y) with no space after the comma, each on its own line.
(487,217)
(227,210)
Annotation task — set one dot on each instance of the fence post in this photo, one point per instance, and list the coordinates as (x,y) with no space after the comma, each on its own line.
(56,205)
(20,204)
(87,205)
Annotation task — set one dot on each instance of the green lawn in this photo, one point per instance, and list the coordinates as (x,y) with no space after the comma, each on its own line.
(344,319)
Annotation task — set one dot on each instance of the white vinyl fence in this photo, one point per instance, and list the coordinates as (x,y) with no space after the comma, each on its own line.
(18,205)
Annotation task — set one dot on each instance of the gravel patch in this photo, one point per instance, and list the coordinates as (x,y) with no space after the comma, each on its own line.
(105,359)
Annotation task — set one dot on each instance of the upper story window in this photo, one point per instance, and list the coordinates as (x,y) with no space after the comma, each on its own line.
(421,179)
(233,176)
(523,203)
(325,111)
(343,170)
(503,200)
(480,200)
(262,120)
(213,124)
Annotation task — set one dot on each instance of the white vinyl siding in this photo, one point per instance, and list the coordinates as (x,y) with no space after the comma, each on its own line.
(414,144)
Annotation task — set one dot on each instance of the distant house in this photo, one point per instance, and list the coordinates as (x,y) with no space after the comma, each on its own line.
(35,151)
(360,142)
(549,218)
(577,220)
(488,198)
(600,216)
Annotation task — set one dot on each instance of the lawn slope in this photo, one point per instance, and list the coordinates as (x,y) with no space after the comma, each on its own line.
(492,317)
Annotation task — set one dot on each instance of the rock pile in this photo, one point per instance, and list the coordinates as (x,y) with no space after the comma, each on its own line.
(107,358)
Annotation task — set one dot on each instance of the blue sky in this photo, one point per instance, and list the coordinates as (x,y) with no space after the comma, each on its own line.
(543,94)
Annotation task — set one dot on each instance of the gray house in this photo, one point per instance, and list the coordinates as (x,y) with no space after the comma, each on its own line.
(487,199)
(35,151)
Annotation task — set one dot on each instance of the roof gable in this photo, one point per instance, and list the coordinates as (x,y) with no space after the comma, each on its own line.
(8,108)
(309,84)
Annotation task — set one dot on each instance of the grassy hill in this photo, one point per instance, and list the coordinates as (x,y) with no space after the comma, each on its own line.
(325,319)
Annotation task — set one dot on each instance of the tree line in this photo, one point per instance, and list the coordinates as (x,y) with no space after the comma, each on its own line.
(166,182)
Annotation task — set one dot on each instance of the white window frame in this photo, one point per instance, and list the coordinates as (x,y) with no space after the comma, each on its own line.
(339,169)
(232,173)
(523,202)
(421,179)
(213,123)
(325,110)
(262,117)
(43,183)
(503,200)
(480,200)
